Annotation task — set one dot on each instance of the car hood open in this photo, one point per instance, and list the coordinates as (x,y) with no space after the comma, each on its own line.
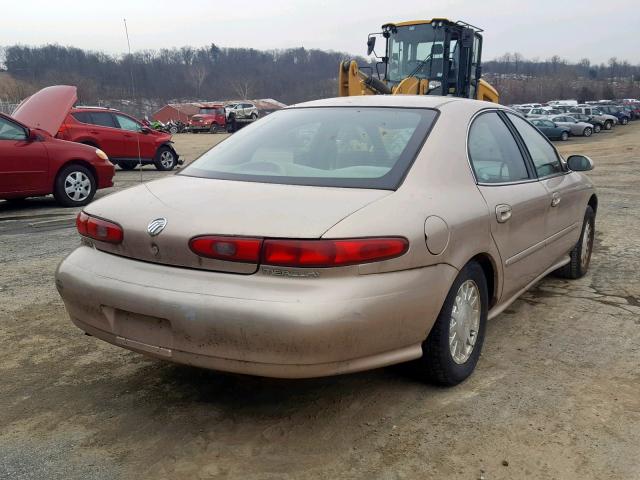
(47,108)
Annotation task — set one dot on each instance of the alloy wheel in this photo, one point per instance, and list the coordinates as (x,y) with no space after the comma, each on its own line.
(166,159)
(77,186)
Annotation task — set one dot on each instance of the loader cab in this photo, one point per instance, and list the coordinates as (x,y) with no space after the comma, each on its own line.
(444,53)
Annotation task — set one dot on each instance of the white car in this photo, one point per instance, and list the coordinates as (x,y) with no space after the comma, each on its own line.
(241,111)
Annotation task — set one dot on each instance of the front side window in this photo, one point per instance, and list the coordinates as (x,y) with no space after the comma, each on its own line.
(334,147)
(543,155)
(127,123)
(11,131)
(494,153)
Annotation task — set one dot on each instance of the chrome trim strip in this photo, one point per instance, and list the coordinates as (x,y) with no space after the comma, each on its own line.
(534,248)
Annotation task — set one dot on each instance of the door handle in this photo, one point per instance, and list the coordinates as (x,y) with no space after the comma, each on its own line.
(555,199)
(503,213)
(93,132)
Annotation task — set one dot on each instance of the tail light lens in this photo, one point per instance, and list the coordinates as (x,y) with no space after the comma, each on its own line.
(332,253)
(231,249)
(98,229)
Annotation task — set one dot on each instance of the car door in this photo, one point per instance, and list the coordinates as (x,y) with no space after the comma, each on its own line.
(564,218)
(24,163)
(517,202)
(131,132)
(104,129)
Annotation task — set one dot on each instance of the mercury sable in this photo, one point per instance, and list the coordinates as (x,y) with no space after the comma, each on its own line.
(335,236)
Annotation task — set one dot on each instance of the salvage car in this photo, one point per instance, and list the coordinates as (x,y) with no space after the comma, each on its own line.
(551,130)
(608,121)
(34,163)
(324,239)
(581,129)
(598,125)
(125,139)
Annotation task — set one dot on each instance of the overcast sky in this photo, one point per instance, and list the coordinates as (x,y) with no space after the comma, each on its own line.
(573,29)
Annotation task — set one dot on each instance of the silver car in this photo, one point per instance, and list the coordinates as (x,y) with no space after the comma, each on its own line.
(580,129)
(335,236)
(608,121)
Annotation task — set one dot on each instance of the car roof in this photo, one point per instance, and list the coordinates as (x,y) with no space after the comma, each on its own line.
(88,107)
(401,101)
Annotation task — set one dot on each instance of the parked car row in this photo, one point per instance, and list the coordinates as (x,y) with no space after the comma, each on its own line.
(560,119)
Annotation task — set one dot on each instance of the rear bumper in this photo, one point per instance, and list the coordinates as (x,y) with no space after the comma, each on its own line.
(253,324)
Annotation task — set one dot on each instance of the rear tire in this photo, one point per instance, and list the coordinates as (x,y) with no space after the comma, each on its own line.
(128,165)
(75,186)
(608,125)
(166,159)
(581,253)
(624,121)
(565,136)
(597,128)
(458,314)
(254,116)
(587,132)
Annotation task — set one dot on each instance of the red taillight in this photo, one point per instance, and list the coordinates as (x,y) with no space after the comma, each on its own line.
(98,229)
(331,253)
(232,249)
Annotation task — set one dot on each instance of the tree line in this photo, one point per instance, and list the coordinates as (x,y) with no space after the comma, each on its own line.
(289,75)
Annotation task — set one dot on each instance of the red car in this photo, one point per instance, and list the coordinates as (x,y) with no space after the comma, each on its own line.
(211,118)
(34,163)
(123,138)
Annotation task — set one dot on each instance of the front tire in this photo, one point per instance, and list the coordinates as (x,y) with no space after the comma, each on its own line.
(166,159)
(624,121)
(75,186)
(214,128)
(608,125)
(597,128)
(581,253)
(564,136)
(452,349)
(254,116)
(587,132)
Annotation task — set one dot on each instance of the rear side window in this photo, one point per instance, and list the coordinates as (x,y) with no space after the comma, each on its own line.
(103,119)
(544,156)
(494,153)
(83,117)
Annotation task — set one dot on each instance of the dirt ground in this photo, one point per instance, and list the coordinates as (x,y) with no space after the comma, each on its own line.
(556,394)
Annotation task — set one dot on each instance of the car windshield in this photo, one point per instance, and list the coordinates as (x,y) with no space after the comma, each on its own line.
(417,50)
(353,147)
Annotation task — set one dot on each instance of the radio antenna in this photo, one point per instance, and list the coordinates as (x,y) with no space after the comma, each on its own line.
(133,91)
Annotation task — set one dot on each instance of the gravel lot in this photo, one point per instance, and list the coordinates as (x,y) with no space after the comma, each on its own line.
(556,393)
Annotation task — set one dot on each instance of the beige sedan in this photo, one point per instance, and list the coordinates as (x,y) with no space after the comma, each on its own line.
(335,236)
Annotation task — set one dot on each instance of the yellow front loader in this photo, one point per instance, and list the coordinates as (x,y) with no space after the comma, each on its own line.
(422,57)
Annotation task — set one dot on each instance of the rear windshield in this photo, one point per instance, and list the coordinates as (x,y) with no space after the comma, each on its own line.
(354,147)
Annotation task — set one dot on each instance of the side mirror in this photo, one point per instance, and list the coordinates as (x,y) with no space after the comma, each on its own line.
(32,136)
(145,130)
(580,163)
(371,44)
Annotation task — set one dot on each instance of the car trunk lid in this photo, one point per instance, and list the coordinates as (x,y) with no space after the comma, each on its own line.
(47,108)
(198,206)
